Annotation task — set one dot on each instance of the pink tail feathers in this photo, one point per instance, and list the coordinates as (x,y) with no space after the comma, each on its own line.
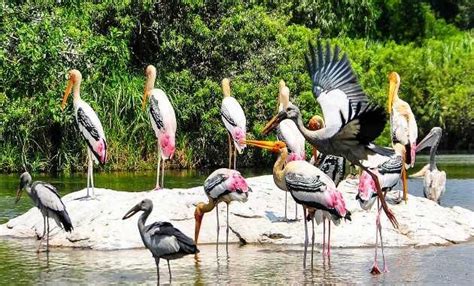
(336,201)
(167,144)
(102,151)
(366,186)
(237,182)
(238,135)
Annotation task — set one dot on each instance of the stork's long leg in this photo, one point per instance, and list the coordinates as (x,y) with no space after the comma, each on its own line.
(329,239)
(157,261)
(312,241)
(387,211)
(305,237)
(44,234)
(235,158)
(163,174)
(217,216)
(230,149)
(404,182)
(91,165)
(227,232)
(286,204)
(88,172)
(385,269)
(296,211)
(47,235)
(157,187)
(324,236)
(169,269)
(375,267)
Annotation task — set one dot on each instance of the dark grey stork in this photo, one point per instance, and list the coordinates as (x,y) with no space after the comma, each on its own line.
(223,185)
(351,122)
(309,187)
(434,184)
(233,117)
(161,238)
(46,198)
(89,127)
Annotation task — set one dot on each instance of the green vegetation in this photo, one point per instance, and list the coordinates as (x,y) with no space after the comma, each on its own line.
(194,44)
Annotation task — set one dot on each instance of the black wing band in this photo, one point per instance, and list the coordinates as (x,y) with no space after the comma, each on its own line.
(156,114)
(225,114)
(85,121)
(213,181)
(297,183)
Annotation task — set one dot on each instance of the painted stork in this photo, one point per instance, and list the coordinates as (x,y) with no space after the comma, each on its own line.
(434,184)
(161,238)
(308,186)
(402,125)
(389,170)
(223,185)
(289,133)
(351,122)
(89,127)
(163,121)
(47,200)
(234,120)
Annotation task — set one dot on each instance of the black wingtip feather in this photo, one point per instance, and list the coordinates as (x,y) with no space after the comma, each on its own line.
(372,122)
(66,221)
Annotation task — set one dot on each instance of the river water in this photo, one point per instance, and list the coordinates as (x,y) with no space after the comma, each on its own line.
(250,264)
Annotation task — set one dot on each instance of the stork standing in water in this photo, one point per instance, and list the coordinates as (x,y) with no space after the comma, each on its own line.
(46,198)
(223,185)
(161,238)
(332,166)
(308,186)
(403,126)
(351,123)
(434,184)
(89,127)
(389,170)
(289,133)
(234,120)
(163,122)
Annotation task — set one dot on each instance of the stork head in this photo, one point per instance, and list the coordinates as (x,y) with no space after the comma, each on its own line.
(432,139)
(145,205)
(150,73)
(315,123)
(226,87)
(394,80)
(291,112)
(25,180)
(74,79)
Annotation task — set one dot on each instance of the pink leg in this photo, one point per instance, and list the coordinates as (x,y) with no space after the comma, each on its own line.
(329,239)
(305,237)
(385,268)
(375,268)
(324,237)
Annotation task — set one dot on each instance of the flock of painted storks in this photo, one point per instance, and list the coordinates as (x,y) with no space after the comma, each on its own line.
(351,123)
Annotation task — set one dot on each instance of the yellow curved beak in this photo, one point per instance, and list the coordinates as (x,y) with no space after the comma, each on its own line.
(67,92)
(391,94)
(273,146)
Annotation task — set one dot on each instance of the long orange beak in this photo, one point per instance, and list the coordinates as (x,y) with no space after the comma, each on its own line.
(273,146)
(391,94)
(273,123)
(67,92)
(145,95)
(197,226)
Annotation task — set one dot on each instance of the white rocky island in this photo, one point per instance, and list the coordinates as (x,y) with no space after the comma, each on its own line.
(98,223)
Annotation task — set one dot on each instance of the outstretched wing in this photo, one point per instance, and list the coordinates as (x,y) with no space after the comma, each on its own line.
(335,84)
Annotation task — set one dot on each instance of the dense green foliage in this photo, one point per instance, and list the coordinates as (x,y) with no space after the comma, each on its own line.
(194,44)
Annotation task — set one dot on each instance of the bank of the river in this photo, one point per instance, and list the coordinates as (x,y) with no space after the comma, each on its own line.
(98,223)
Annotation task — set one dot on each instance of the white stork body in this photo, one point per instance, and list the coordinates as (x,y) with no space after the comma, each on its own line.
(163,122)
(46,198)
(89,126)
(234,120)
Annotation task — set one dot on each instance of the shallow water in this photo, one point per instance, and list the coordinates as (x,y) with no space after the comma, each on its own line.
(250,264)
